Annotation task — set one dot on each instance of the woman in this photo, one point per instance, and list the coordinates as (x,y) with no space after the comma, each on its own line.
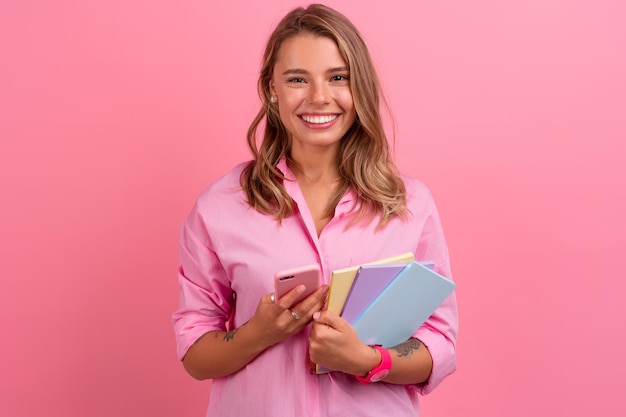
(321,188)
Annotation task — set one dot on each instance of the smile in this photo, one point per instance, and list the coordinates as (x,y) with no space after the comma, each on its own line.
(319,119)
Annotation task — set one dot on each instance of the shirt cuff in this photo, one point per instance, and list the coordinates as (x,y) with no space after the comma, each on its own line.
(443,353)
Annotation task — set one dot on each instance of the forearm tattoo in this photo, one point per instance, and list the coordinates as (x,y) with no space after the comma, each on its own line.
(228,336)
(407,348)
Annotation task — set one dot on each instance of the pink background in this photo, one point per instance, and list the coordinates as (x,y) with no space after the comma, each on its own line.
(115,114)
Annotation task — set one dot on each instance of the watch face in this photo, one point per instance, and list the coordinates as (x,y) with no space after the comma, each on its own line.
(379,375)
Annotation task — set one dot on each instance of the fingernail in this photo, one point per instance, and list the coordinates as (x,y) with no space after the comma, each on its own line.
(316,315)
(300,289)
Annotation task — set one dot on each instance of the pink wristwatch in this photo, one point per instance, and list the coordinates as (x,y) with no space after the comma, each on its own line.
(379,371)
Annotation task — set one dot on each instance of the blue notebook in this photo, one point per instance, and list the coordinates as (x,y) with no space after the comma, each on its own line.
(370,280)
(403,306)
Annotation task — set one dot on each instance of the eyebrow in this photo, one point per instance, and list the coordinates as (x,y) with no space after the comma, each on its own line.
(299,71)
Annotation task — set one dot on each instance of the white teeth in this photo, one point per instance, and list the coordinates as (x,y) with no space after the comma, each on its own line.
(319,119)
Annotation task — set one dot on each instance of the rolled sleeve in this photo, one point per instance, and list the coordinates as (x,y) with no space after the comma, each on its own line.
(439,334)
(204,289)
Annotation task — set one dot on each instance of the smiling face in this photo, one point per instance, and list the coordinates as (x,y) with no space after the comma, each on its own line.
(312,84)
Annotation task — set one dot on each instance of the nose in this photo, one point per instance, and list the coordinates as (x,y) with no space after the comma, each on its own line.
(319,93)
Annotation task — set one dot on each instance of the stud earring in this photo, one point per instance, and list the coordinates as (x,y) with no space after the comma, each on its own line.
(273,99)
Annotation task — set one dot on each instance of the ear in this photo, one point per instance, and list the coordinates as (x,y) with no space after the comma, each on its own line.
(272,88)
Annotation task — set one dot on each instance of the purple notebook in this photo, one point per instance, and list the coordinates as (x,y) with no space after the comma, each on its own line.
(369,282)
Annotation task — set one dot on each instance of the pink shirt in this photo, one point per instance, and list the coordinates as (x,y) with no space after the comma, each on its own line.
(227,246)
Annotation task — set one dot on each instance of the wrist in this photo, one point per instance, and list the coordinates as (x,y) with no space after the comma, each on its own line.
(258,337)
(371,359)
(380,369)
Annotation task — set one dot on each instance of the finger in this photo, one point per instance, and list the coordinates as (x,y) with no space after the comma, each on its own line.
(327,318)
(295,315)
(315,301)
(312,303)
(291,296)
(321,330)
(268,298)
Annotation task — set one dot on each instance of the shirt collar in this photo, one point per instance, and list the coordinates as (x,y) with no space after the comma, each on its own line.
(348,196)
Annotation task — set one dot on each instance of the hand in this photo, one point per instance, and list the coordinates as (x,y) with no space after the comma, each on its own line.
(335,345)
(276,321)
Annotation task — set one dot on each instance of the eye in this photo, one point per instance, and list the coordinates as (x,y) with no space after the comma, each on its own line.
(340,77)
(296,80)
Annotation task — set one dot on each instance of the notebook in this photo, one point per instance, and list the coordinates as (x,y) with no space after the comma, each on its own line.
(342,279)
(370,280)
(403,306)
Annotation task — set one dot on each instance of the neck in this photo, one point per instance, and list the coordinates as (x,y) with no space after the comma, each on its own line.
(314,173)
(315,168)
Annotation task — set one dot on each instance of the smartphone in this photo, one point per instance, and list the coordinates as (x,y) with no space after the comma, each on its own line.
(285,281)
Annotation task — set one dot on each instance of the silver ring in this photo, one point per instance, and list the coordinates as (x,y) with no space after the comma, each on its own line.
(295,315)
(272,297)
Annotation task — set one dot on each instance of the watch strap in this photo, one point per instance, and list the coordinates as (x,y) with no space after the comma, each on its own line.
(379,371)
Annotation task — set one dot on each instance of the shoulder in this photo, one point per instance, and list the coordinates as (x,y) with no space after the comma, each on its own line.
(417,193)
(220,200)
(423,214)
(227,185)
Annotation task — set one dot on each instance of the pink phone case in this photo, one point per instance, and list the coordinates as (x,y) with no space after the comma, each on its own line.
(309,275)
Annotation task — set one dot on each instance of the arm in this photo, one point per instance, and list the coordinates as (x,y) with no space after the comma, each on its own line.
(335,345)
(220,353)
(412,363)
(205,292)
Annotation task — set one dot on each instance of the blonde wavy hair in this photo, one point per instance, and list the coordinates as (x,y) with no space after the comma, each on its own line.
(364,159)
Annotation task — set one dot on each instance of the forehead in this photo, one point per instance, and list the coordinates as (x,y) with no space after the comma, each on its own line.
(309,52)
